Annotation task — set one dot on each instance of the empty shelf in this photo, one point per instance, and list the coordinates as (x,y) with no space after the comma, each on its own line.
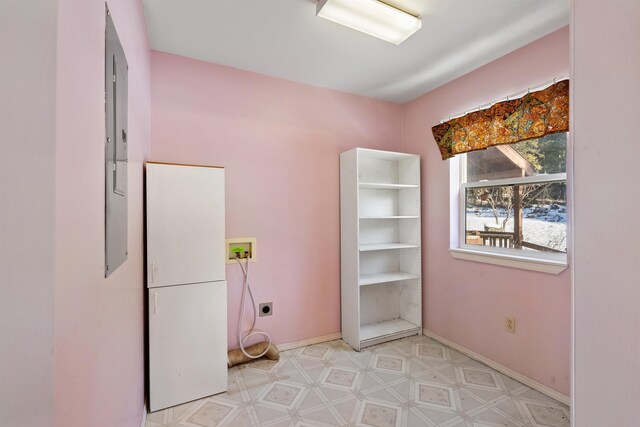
(385,246)
(382,186)
(391,217)
(386,328)
(372,279)
(369,153)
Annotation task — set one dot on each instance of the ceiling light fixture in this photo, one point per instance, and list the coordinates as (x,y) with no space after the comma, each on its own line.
(371,17)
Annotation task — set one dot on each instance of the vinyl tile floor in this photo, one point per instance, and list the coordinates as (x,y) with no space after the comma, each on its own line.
(414,381)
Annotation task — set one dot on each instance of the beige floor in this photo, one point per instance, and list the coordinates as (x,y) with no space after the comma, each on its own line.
(409,382)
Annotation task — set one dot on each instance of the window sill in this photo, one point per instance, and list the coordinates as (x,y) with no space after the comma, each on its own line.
(507,260)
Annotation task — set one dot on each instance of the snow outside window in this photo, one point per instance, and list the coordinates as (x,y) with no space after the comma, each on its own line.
(513,202)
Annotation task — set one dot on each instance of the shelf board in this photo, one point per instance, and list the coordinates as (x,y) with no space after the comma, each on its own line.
(391,217)
(386,328)
(368,153)
(372,279)
(386,246)
(381,186)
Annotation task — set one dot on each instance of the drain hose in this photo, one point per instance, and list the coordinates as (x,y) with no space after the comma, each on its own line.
(242,339)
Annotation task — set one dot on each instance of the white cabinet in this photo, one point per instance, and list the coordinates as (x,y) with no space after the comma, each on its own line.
(185,224)
(381,286)
(187,343)
(187,292)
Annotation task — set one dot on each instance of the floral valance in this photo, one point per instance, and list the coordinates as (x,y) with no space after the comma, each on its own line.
(532,116)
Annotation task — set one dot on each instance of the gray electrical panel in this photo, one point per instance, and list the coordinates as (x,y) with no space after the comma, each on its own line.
(116,158)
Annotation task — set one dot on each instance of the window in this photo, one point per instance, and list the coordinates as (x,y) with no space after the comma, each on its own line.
(513,204)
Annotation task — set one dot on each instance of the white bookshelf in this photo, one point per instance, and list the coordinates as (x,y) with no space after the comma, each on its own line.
(380,246)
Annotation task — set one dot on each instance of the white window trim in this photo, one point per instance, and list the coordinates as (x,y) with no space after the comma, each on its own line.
(544,262)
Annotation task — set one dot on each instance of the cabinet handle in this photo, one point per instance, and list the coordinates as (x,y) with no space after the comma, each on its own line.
(153,272)
(155,303)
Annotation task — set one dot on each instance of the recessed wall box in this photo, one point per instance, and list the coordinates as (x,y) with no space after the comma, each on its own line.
(245,244)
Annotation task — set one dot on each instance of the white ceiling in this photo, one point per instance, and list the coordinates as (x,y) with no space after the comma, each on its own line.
(284,38)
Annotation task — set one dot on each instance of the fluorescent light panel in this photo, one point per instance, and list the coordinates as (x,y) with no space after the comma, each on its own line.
(371,17)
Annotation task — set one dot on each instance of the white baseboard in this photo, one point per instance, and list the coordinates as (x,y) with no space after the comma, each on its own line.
(310,341)
(554,394)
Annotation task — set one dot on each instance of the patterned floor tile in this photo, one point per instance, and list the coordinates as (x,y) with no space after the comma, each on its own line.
(390,363)
(326,416)
(436,396)
(379,415)
(282,395)
(488,424)
(547,416)
(315,352)
(479,378)
(430,351)
(434,416)
(210,415)
(414,381)
(341,377)
(492,418)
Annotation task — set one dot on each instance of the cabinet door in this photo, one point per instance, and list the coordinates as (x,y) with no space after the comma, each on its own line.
(187,343)
(185,224)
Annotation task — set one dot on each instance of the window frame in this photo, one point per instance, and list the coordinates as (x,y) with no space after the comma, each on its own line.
(538,261)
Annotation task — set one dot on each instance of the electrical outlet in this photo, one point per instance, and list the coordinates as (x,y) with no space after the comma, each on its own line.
(265,309)
(510,324)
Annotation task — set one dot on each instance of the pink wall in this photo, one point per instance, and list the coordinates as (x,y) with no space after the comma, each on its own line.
(466,301)
(99,336)
(27,185)
(279,142)
(606,107)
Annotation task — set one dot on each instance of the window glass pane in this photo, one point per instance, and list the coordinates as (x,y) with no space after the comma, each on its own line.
(526,158)
(531,217)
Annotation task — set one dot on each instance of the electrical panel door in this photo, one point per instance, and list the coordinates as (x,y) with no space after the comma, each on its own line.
(116,158)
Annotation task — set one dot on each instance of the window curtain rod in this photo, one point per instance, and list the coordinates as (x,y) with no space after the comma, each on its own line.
(508,97)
